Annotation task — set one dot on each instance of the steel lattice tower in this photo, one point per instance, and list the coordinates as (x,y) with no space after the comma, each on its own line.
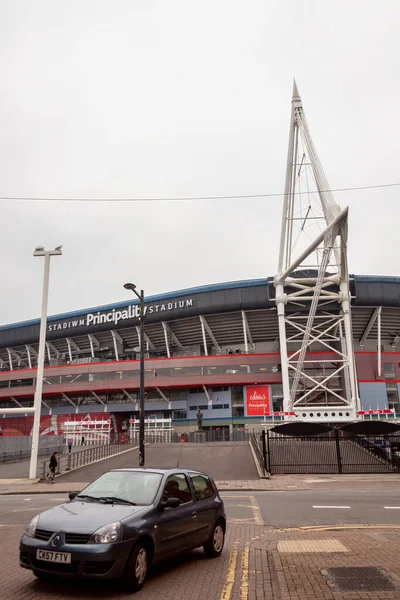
(312,288)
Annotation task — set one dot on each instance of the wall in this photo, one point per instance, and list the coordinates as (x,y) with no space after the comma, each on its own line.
(209,412)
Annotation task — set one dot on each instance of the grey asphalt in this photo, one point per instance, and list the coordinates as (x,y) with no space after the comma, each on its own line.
(222,460)
(278,509)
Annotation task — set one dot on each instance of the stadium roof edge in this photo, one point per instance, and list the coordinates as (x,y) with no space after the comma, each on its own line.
(187,292)
(154,298)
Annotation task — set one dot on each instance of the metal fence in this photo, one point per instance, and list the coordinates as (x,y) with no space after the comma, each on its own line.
(15,448)
(67,462)
(333,452)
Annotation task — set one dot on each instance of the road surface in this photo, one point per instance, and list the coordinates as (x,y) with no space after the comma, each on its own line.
(273,509)
(222,460)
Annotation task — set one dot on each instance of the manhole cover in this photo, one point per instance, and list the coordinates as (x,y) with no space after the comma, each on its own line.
(359,579)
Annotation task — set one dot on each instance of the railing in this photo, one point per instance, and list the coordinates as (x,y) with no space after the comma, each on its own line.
(260,458)
(68,462)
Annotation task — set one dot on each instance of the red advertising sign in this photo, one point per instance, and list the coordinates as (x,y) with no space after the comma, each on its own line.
(257,400)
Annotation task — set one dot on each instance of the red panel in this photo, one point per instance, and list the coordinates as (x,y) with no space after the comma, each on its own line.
(257,400)
(49,425)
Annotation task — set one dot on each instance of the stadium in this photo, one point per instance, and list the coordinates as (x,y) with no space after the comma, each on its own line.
(311,343)
(213,348)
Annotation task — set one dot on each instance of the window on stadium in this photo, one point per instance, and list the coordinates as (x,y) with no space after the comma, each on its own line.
(237,395)
(389,371)
(180,414)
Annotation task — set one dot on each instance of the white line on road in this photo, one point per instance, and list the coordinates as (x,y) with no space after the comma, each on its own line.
(392,507)
(27,499)
(331,506)
(26,509)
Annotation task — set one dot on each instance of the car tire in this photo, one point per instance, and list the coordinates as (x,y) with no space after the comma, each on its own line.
(137,567)
(214,546)
(42,576)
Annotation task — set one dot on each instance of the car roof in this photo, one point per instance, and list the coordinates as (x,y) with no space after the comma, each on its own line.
(160,470)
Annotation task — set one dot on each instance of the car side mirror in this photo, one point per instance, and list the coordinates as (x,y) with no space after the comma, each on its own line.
(170,503)
(72,495)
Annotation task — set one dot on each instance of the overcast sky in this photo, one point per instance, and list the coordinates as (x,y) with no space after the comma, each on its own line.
(158,98)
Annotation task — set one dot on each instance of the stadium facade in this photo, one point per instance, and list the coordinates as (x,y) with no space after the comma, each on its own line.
(215,348)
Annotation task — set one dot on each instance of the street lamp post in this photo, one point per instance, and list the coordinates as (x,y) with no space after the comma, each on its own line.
(132,287)
(37,403)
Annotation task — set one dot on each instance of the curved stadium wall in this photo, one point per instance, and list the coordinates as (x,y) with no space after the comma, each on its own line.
(214,347)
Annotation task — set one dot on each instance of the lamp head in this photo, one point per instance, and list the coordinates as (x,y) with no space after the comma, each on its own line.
(130,286)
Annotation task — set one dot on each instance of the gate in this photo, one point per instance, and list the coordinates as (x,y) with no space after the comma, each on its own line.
(332,452)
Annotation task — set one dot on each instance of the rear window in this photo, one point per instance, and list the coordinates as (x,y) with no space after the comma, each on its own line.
(203,487)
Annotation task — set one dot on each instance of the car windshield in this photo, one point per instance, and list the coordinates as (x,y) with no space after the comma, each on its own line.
(136,487)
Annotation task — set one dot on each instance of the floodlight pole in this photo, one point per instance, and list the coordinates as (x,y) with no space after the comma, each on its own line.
(37,404)
(132,287)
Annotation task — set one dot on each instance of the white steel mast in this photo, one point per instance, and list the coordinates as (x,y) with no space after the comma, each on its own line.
(312,288)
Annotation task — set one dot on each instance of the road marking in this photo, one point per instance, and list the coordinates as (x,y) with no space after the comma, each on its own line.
(236,497)
(230,576)
(27,499)
(244,580)
(392,507)
(256,512)
(245,520)
(331,506)
(334,527)
(26,509)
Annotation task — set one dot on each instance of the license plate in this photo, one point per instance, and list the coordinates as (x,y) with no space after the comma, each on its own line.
(55,557)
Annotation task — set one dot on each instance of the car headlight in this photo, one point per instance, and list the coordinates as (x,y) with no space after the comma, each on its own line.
(31,529)
(108,534)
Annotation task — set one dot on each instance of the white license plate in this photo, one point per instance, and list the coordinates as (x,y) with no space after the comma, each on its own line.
(55,557)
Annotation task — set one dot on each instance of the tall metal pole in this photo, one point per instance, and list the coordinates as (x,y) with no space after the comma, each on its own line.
(40,368)
(141,414)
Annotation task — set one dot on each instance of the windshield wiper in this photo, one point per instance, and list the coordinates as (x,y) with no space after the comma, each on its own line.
(86,497)
(114,499)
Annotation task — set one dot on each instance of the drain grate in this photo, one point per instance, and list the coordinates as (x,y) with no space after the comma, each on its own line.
(359,579)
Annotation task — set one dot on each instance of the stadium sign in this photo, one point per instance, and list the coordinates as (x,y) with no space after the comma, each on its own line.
(257,400)
(116,315)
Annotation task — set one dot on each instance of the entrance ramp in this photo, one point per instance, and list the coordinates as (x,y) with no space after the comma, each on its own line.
(223,461)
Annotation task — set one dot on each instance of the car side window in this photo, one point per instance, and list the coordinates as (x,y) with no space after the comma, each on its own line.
(177,487)
(203,487)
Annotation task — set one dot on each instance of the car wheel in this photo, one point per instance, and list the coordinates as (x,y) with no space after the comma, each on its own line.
(42,576)
(136,568)
(215,544)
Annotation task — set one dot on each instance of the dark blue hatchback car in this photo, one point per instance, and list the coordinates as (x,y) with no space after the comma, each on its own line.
(123,522)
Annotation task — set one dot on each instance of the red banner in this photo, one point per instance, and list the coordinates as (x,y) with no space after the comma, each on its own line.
(257,401)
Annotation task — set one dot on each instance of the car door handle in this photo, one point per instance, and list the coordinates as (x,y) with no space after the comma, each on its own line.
(194,515)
